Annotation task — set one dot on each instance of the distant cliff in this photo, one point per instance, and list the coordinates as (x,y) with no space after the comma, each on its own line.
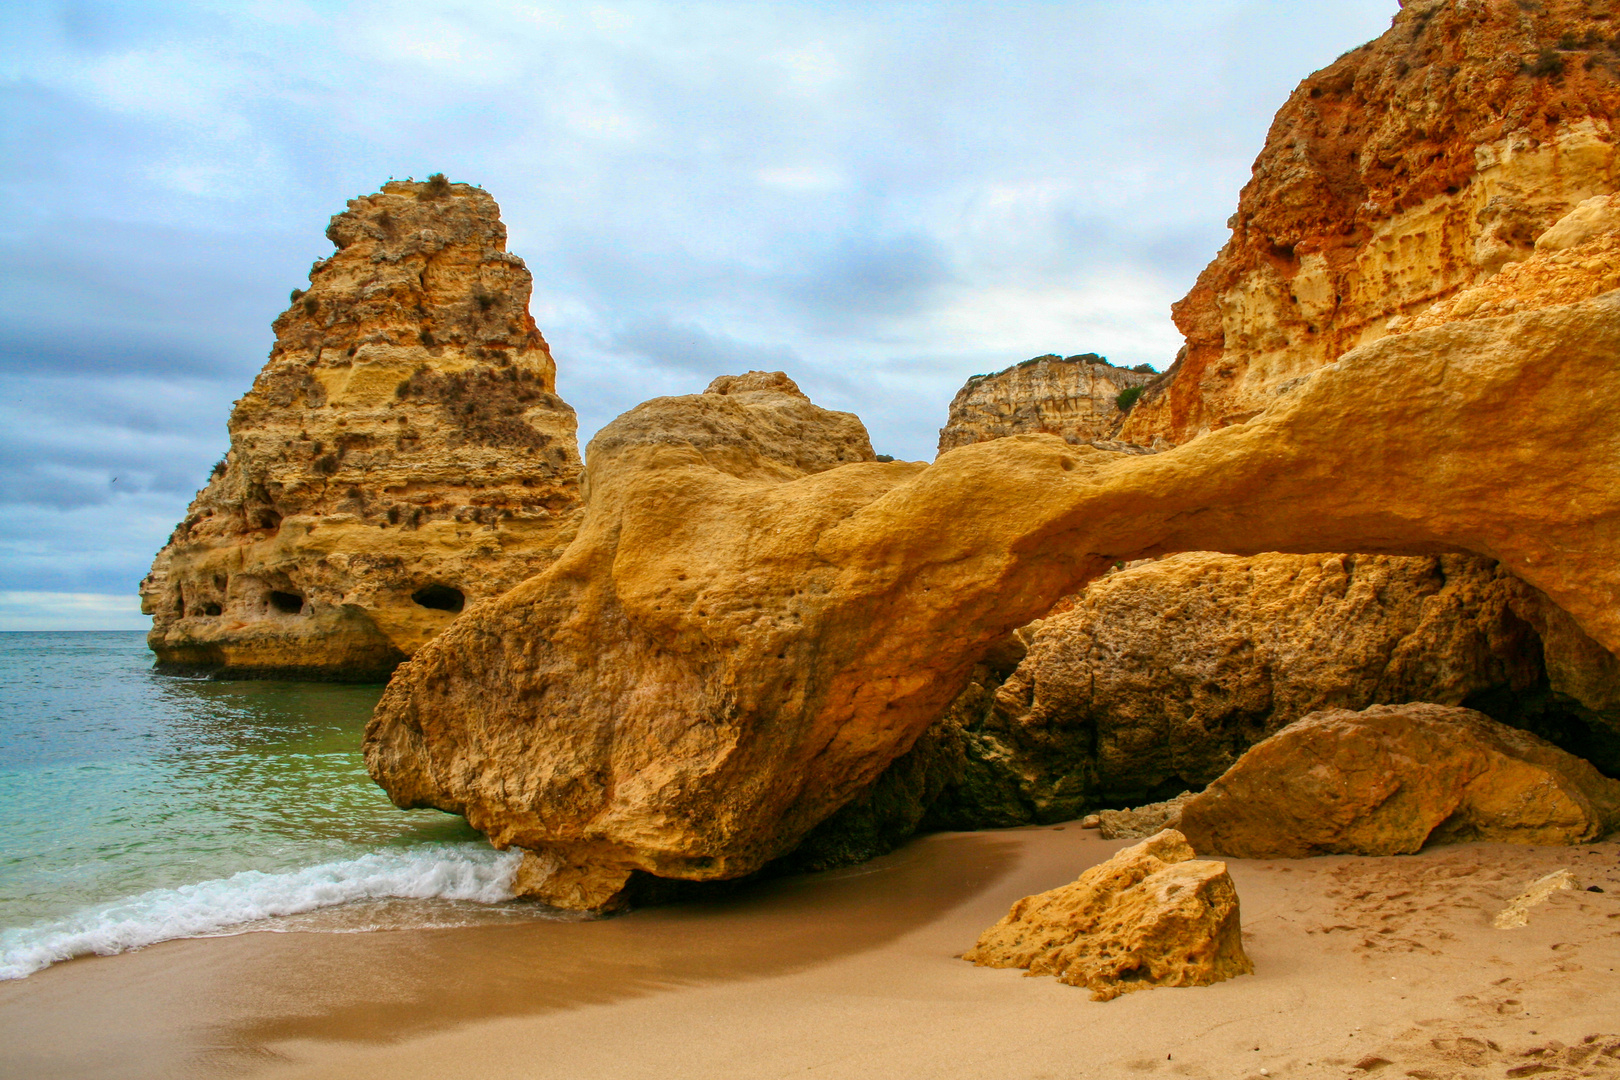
(1407,170)
(1075,398)
(402,454)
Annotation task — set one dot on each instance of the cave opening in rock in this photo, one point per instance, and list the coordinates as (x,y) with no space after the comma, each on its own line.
(212,609)
(287,603)
(440,598)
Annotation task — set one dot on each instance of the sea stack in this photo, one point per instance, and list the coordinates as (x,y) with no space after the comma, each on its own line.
(402,454)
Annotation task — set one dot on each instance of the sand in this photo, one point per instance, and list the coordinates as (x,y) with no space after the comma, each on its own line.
(1364,967)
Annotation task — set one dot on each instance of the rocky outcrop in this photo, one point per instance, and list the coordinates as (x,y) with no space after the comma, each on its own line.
(1075,398)
(1409,169)
(1387,780)
(402,454)
(746,632)
(1153,915)
(1160,675)
(1135,822)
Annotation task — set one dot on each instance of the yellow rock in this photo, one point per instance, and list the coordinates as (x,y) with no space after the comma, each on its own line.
(1153,915)
(1075,398)
(1391,778)
(1517,913)
(748,629)
(402,454)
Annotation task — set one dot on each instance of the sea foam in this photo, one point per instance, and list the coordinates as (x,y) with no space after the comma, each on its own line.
(471,871)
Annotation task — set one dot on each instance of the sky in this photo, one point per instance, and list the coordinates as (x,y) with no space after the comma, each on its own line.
(879,198)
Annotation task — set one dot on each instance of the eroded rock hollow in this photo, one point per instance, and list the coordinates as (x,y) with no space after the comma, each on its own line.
(401,455)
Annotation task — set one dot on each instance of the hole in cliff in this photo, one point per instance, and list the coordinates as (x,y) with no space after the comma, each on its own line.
(287,603)
(268,519)
(212,609)
(440,598)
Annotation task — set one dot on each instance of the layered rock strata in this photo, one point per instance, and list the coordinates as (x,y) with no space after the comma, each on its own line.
(1389,779)
(1075,398)
(1153,915)
(1411,168)
(742,636)
(402,454)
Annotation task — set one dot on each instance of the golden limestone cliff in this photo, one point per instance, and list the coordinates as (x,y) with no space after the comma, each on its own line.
(741,639)
(401,455)
(1410,169)
(1075,398)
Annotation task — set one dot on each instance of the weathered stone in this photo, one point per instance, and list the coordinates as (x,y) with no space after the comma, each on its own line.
(1161,674)
(736,645)
(1140,821)
(1153,915)
(1517,912)
(1074,398)
(402,454)
(1387,780)
(1408,169)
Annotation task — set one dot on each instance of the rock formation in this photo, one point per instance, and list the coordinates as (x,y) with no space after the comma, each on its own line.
(1409,169)
(742,636)
(402,454)
(1074,398)
(1387,780)
(1153,915)
(1162,674)
(1135,822)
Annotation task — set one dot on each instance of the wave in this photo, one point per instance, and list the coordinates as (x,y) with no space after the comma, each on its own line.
(469,872)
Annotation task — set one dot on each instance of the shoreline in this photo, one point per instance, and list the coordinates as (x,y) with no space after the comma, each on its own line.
(855,973)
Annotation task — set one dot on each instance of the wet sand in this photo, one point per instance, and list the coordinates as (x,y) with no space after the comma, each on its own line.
(1386,964)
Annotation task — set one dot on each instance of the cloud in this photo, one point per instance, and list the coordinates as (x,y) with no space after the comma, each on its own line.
(70,611)
(880,199)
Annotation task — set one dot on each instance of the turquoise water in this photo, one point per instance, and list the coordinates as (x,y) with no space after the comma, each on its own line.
(136,807)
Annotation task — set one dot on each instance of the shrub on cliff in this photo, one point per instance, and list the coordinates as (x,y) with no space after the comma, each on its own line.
(1127,397)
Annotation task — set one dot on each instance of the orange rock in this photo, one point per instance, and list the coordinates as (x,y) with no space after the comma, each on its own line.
(1413,167)
(748,628)
(1153,915)
(1388,779)
(402,454)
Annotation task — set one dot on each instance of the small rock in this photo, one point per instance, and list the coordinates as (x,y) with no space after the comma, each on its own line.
(1153,915)
(1517,913)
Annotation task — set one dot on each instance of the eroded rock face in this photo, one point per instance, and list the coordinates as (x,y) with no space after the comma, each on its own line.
(1161,675)
(1153,915)
(402,454)
(1387,780)
(746,632)
(1074,398)
(1407,170)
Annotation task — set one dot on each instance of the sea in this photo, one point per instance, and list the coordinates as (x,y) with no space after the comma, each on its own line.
(137,807)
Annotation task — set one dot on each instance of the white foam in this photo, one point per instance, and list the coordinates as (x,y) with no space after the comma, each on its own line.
(432,871)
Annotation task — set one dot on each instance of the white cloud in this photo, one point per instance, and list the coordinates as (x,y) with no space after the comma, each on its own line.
(70,611)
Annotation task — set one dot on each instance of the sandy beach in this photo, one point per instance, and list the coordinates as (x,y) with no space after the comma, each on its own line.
(1364,966)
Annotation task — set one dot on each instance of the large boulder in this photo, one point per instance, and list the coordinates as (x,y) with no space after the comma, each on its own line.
(746,632)
(1153,915)
(1159,676)
(1389,779)
(402,454)
(1411,168)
